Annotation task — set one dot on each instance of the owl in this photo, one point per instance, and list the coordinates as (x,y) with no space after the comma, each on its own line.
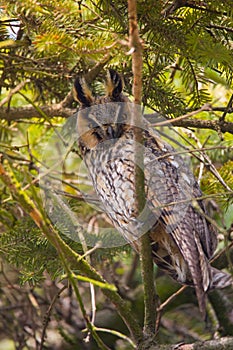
(182,239)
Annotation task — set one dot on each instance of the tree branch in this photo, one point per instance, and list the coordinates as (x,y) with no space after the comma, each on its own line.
(28,112)
(60,110)
(176,4)
(216,125)
(216,344)
(136,49)
(225,343)
(63,250)
(228,107)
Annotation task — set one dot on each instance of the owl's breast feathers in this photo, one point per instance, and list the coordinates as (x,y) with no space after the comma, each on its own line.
(182,239)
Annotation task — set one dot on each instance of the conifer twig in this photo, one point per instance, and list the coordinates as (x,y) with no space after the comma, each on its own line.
(66,253)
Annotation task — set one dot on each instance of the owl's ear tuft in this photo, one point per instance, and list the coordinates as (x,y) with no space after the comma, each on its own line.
(82,93)
(114,84)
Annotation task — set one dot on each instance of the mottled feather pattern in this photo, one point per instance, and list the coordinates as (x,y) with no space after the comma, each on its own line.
(182,239)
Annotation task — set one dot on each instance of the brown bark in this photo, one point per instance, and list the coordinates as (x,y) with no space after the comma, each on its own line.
(58,110)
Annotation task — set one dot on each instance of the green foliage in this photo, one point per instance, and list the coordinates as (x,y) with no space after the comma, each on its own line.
(212,185)
(57,44)
(187,64)
(26,248)
(29,251)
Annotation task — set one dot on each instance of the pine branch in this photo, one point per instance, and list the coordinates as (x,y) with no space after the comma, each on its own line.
(216,125)
(176,4)
(29,112)
(64,250)
(58,110)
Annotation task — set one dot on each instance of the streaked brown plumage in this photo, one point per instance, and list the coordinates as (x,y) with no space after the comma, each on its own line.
(182,239)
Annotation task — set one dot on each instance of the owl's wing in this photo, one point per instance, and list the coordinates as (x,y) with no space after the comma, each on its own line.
(170,191)
(188,241)
(206,231)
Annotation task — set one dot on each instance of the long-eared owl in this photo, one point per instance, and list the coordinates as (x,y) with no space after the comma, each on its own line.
(182,239)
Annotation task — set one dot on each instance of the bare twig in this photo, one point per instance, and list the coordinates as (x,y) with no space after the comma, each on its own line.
(221,253)
(14,91)
(182,117)
(48,314)
(116,333)
(228,107)
(206,161)
(171,298)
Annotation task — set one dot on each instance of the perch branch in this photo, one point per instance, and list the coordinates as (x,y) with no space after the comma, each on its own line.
(60,110)
(136,49)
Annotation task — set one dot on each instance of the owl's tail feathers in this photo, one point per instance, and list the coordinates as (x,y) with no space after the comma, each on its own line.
(217,279)
(220,279)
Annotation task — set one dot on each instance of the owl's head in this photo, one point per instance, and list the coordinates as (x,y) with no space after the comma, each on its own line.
(101,118)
